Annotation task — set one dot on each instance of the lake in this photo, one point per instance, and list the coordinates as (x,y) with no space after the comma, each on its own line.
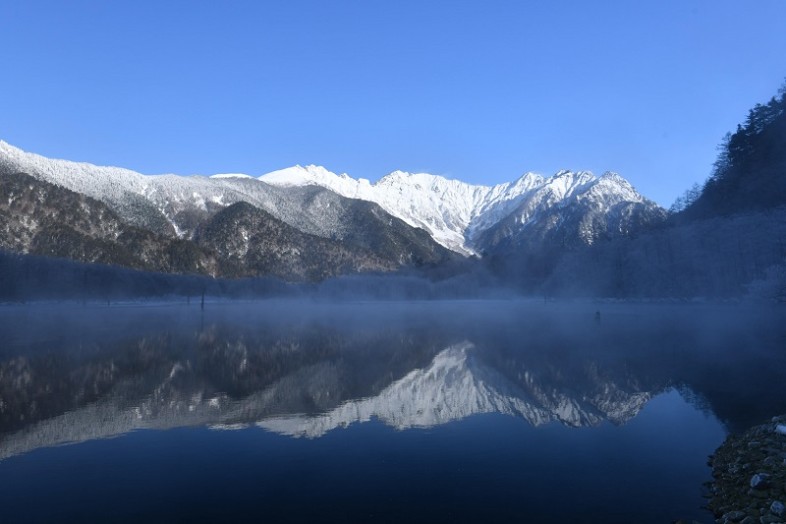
(305,411)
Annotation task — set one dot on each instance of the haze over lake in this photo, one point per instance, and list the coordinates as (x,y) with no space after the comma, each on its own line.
(303,411)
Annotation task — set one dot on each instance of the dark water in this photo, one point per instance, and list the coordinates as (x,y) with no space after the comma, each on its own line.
(416,412)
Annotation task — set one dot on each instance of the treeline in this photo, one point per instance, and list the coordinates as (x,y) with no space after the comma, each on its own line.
(719,257)
(26,278)
(30,278)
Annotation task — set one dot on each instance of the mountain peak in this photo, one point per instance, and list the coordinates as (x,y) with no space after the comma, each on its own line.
(614,177)
(406,177)
(527,180)
(298,175)
(393,177)
(398,173)
(569,173)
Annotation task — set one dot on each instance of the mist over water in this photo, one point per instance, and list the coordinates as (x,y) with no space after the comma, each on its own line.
(381,411)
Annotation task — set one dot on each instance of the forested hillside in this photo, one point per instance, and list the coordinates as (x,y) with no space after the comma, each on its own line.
(750,172)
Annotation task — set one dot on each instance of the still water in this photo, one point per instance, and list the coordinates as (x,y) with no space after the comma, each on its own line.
(494,411)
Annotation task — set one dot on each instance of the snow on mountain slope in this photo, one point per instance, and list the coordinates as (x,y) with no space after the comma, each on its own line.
(124,190)
(456,213)
(445,208)
(570,209)
(147,201)
(231,175)
(176,205)
(456,385)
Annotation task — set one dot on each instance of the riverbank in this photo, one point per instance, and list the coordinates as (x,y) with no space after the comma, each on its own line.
(749,476)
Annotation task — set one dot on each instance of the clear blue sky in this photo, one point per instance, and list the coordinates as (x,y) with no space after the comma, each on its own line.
(481,91)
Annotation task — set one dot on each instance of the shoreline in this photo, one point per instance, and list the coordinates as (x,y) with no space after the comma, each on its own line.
(749,476)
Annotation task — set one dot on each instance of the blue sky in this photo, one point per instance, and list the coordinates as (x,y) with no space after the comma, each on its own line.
(481,91)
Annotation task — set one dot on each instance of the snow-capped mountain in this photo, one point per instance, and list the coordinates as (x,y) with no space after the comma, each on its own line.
(571,209)
(463,217)
(450,210)
(459,215)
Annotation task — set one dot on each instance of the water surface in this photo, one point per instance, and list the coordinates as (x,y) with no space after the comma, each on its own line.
(376,412)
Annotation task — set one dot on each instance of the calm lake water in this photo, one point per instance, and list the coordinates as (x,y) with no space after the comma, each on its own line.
(477,411)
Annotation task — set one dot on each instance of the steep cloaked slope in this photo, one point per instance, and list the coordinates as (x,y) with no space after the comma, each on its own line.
(39,218)
(750,172)
(252,242)
(571,210)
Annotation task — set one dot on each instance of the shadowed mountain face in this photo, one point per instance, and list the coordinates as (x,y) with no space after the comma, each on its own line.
(589,215)
(39,218)
(253,242)
(304,370)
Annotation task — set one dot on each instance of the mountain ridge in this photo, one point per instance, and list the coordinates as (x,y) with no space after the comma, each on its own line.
(457,213)
(404,220)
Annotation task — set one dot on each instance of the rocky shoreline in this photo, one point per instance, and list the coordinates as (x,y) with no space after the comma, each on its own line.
(749,476)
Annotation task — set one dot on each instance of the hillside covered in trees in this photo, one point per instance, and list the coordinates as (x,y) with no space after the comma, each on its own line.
(750,172)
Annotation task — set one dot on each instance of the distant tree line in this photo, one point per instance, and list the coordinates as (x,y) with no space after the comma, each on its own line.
(30,278)
(26,278)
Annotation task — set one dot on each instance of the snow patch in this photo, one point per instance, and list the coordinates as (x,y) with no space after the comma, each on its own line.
(231,175)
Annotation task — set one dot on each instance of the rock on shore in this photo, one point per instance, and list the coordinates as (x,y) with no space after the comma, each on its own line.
(749,476)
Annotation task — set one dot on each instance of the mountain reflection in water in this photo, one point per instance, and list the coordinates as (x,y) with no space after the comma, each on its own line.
(75,374)
(457,384)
